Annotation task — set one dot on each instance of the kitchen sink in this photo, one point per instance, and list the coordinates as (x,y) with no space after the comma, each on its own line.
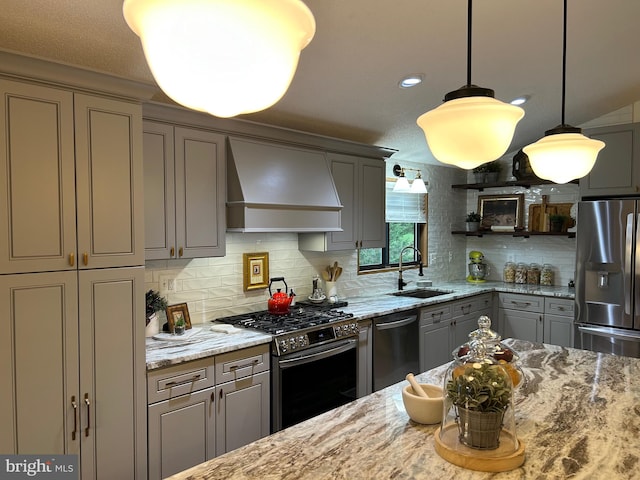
(420,293)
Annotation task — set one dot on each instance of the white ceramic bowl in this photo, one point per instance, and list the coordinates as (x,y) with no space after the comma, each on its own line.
(424,410)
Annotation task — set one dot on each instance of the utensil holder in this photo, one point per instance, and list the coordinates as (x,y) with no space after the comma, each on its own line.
(331,288)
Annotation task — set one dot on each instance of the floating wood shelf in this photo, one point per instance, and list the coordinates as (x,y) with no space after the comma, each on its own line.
(516,183)
(517,233)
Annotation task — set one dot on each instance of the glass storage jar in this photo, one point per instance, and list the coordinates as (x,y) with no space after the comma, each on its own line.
(546,275)
(533,274)
(509,273)
(521,273)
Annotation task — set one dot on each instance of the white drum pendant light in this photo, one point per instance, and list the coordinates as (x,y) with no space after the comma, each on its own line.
(224,57)
(471,127)
(563,154)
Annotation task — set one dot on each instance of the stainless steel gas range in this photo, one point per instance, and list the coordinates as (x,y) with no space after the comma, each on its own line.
(313,359)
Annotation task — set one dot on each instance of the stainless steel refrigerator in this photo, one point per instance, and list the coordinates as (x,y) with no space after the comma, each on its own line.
(608,276)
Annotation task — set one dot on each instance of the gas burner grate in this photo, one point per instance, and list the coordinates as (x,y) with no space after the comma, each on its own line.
(297,319)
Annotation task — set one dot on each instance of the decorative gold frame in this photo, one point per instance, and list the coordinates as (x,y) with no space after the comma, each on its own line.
(176,311)
(501,210)
(255,271)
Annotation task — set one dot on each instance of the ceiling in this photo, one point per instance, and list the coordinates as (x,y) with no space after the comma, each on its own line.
(346,85)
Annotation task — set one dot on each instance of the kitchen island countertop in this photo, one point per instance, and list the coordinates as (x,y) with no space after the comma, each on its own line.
(577,412)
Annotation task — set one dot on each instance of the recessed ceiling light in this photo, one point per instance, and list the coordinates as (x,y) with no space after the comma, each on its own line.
(411,80)
(520,100)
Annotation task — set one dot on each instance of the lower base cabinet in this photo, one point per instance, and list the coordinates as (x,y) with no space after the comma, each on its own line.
(445,326)
(558,321)
(204,408)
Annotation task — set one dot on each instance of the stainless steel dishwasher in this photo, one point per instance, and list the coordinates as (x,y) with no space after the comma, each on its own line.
(395,348)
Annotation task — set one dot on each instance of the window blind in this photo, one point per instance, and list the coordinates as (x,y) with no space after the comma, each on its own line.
(404,207)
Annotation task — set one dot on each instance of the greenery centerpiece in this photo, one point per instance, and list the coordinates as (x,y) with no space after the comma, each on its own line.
(154,303)
(481,392)
(487,172)
(556,222)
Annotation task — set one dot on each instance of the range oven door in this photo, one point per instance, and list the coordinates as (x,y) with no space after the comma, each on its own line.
(313,381)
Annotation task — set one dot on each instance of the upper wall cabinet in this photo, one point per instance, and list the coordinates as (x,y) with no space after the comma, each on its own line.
(185,192)
(45,169)
(360,183)
(617,169)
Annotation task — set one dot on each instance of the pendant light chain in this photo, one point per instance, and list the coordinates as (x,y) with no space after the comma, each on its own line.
(564,59)
(469,10)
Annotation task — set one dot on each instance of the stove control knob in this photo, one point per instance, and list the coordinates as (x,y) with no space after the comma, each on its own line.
(283,346)
(338,331)
(292,343)
(302,341)
(354,327)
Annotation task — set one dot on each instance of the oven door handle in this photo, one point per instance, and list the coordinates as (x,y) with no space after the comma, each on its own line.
(343,347)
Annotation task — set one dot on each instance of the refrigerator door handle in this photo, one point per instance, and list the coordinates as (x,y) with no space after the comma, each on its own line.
(628,250)
(608,332)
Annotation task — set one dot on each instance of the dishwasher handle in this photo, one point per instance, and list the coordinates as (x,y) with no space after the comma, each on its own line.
(396,323)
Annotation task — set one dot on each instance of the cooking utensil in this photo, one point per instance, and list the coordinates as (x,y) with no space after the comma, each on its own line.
(417,389)
(326,276)
(279,302)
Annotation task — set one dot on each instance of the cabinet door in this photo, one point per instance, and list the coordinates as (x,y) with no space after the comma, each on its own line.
(159,192)
(344,169)
(112,373)
(242,412)
(37,178)
(558,330)
(200,169)
(109,182)
(372,204)
(521,325)
(181,433)
(466,324)
(435,341)
(617,168)
(39,364)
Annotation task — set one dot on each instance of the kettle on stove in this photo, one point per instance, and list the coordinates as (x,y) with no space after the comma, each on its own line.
(279,302)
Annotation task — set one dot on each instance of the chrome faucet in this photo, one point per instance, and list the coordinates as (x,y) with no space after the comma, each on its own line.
(402,283)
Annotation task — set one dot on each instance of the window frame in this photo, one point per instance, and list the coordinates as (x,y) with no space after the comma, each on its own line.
(421,236)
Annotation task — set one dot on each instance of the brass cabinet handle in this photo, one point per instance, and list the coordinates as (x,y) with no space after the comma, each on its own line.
(72,259)
(88,404)
(173,252)
(180,252)
(85,258)
(75,417)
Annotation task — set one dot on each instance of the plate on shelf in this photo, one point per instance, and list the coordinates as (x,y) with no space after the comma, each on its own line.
(317,299)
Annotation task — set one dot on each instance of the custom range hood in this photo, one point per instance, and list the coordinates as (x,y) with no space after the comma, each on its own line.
(278,188)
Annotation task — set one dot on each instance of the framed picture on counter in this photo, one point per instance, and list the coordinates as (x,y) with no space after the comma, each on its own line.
(501,210)
(255,270)
(177,312)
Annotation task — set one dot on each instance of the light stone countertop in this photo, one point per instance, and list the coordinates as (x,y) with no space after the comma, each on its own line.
(578,414)
(163,353)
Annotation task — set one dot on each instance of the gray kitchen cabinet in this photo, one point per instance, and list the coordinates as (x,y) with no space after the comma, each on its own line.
(185,192)
(207,407)
(617,169)
(72,176)
(73,368)
(558,321)
(360,183)
(445,326)
(365,359)
(73,180)
(521,316)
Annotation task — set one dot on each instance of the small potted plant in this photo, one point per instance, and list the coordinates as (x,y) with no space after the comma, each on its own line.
(473,221)
(487,172)
(154,303)
(480,392)
(556,223)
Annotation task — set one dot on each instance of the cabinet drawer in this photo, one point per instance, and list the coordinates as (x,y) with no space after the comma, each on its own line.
(180,379)
(559,306)
(242,363)
(470,305)
(436,314)
(529,303)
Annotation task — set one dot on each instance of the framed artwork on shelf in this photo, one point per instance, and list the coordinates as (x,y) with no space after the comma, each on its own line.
(176,314)
(255,271)
(501,211)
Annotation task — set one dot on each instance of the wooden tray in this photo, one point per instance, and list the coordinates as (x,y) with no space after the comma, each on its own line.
(498,460)
(536,211)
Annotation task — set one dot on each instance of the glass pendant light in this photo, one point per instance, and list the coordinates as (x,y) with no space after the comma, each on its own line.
(224,57)
(402,184)
(471,127)
(563,154)
(418,185)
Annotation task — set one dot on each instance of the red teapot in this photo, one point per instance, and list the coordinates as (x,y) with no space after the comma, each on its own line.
(279,302)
